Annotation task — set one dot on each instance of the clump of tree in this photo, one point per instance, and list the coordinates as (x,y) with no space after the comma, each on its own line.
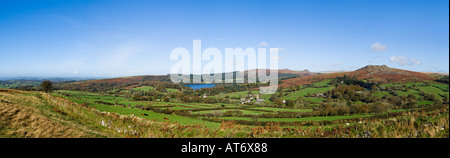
(352,81)
(347,92)
(340,109)
(47,86)
(443,79)
(290,103)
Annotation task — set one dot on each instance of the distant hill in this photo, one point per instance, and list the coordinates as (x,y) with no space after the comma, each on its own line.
(116,83)
(330,72)
(54,79)
(284,73)
(375,73)
(436,73)
(33,82)
(134,81)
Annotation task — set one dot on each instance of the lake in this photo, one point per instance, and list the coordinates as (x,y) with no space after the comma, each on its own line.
(200,86)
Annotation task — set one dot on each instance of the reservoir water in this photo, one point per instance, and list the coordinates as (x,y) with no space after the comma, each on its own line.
(200,86)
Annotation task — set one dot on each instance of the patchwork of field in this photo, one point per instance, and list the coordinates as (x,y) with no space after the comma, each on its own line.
(405,89)
(144,88)
(49,110)
(29,115)
(200,112)
(106,104)
(248,115)
(281,109)
(305,92)
(436,91)
(237,94)
(15,84)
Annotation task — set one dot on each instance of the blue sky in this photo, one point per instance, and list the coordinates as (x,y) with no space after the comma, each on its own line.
(108,38)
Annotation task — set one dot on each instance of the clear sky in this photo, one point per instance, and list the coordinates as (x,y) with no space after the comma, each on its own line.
(107,38)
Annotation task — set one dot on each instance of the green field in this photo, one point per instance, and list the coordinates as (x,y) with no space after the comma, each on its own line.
(304,93)
(19,84)
(189,111)
(244,112)
(88,119)
(322,83)
(144,88)
(238,94)
(172,90)
(433,90)
(425,102)
(281,109)
(101,102)
(408,92)
(151,115)
(440,86)
(330,118)
(408,84)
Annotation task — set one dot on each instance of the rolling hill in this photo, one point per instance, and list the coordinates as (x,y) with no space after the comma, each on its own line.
(376,73)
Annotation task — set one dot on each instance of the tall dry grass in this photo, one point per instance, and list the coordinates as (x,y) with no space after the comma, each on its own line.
(22,121)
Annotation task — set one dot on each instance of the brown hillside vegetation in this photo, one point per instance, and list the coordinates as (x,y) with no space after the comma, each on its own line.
(17,120)
(109,84)
(376,73)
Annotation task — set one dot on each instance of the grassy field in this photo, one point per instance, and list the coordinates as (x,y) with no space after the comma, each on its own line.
(237,94)
(153,116)
(330,118)
(408,92)
(82,114)
(425,102)
(244,112)
(29,115)
(141,113)
(380,94)
(281,109)
(107,104)
(436,88)
(433,90)
(304,92)
(408,84)
(4,84)
(144,88)
(210,115)
(440,86)
(322,83)
(171,90)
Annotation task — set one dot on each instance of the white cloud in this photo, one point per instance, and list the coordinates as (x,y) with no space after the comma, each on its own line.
(416,62)
(402,60)
(378,47)
(399,60)
(263,44)
(76,72)
(337,64)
